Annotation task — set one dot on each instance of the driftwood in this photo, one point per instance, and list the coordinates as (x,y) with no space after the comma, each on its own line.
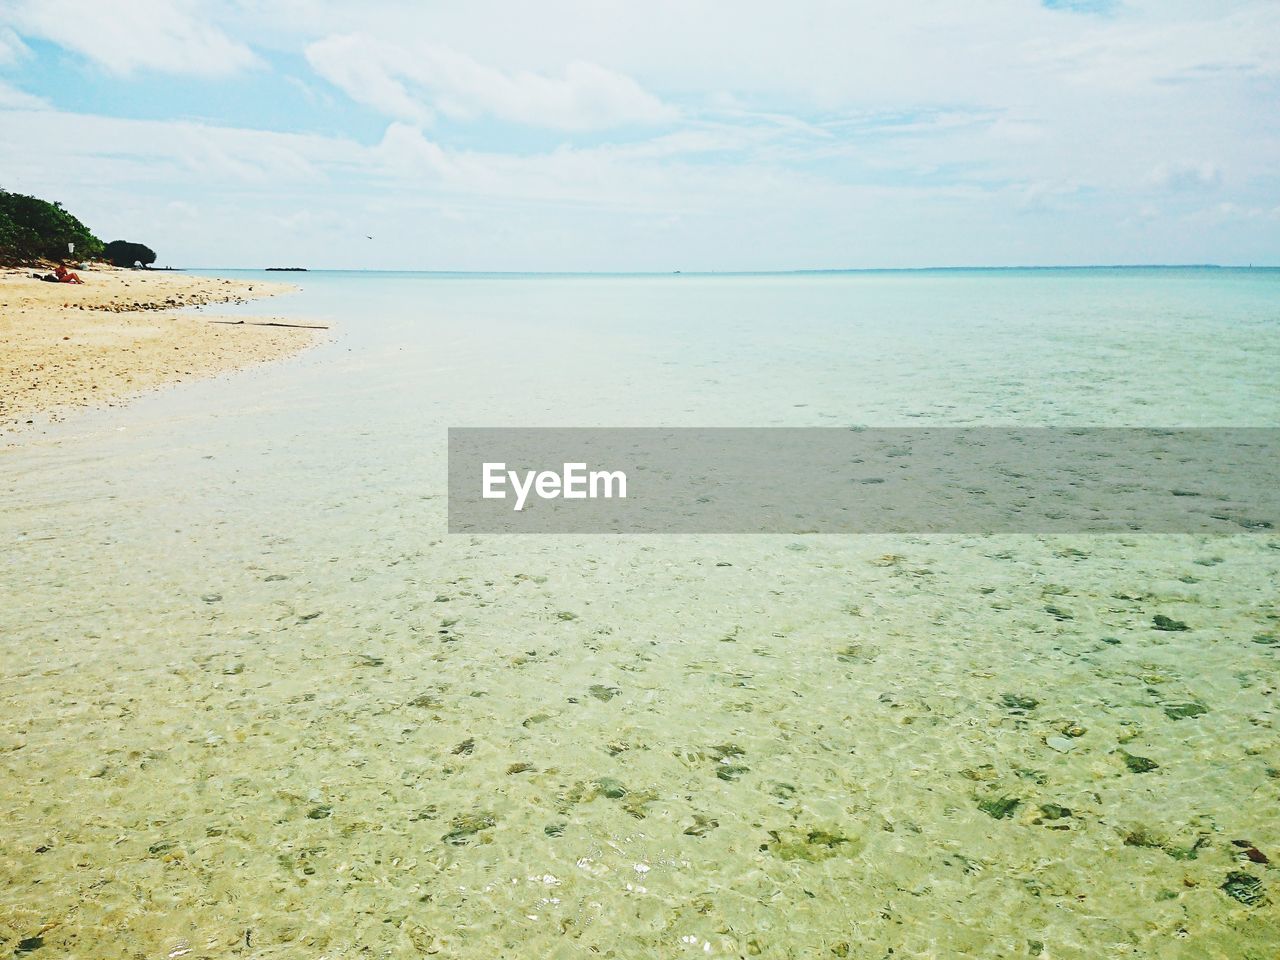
(271,323)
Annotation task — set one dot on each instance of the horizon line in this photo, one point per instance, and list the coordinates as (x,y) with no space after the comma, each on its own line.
(730,273)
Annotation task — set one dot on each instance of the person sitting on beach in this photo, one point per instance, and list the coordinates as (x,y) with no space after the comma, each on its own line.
(66,276)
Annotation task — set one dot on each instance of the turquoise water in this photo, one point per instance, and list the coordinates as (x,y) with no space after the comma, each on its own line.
(259,703)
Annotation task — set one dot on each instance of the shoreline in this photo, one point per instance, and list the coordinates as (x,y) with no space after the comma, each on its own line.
(65,347)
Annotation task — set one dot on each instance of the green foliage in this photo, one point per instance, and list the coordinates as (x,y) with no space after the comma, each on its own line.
(122,253)
(34,229)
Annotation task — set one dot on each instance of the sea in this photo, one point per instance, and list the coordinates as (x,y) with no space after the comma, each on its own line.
(257,701)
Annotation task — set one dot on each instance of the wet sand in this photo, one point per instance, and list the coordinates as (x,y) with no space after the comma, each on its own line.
(64,346)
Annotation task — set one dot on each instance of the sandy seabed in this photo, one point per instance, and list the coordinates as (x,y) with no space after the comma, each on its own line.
(259,704)
(119,333)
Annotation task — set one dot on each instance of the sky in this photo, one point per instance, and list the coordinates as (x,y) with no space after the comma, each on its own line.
(603,135)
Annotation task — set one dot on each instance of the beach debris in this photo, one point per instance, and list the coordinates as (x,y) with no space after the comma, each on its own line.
(1267,639)
(1167,624)
(1138,764)
(701,826)
(1244,887)
(1053,811)
(1018,703)
(554,829)
(1058,613)
(1251,853)
(274,578)
(1181,711)
(1185,852)
(211,597)
(724,755)
(519,768)
(1141,837)
(636,803)
(270,323)
(465,748)
(1130,731)
(466,826)
(813,846)
(781,791)
(28,944)
(1246,522)
(968,865)
(566,615)
(1061,744)
(611,788)
(999,808)
(857,653)
(320,812)
(1073,729)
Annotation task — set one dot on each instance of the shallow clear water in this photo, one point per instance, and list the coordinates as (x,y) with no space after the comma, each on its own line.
(258,703)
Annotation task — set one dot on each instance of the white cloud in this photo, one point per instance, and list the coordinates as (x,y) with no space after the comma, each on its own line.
(412,82)
(1182,176)
(405,150)
(11,98)
(170,36)
(12,48)
(368,75)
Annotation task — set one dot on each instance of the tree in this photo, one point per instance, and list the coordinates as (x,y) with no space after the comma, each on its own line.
(34,229)
(123,253)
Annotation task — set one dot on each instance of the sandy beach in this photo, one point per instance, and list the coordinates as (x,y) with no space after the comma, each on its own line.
(121,332)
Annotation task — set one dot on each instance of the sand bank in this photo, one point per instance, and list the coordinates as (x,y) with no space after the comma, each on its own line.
(64,346)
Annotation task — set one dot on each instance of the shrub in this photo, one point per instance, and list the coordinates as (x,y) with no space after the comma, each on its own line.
(123,253)
(34,229)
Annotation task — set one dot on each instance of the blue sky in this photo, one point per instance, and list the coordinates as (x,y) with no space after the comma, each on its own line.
(604,135)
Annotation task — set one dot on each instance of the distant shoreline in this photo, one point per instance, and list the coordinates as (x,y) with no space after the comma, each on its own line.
(805,271)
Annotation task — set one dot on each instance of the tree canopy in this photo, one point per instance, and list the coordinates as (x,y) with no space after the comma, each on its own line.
(123,253)
(34,229)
